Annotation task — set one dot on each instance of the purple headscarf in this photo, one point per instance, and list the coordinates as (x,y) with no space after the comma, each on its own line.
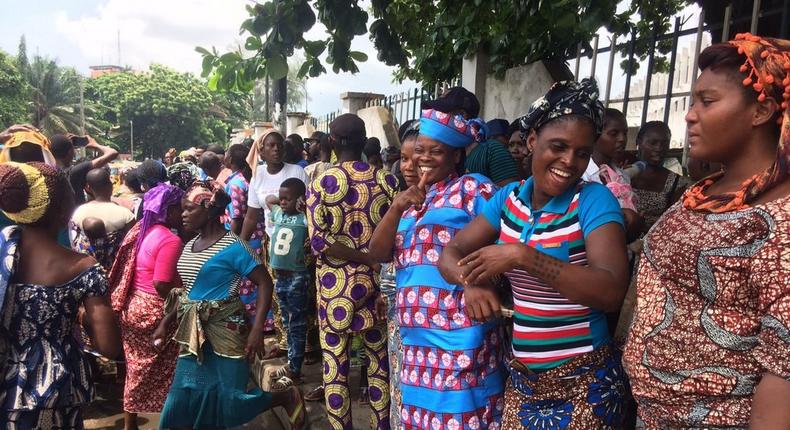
(155,204)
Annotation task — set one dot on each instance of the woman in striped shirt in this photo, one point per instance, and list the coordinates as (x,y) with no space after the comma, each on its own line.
(564,374)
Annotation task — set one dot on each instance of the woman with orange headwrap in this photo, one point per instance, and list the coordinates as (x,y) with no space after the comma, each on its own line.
(710,343)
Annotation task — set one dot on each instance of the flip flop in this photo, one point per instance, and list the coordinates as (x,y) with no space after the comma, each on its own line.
(282,384)
(317,395)
(298,412)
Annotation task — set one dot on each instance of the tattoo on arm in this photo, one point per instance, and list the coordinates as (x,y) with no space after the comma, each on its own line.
(545,267)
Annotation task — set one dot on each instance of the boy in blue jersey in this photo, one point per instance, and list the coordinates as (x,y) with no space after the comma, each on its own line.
(287,259)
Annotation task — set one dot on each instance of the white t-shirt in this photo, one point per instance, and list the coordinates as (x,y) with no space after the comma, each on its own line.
(114,216)
(265,184)
(591,173)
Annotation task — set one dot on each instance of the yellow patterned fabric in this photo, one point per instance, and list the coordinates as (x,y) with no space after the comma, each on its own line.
(27,184)
(34,137)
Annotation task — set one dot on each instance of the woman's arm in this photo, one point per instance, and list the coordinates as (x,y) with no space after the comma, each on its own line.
(382,242)
(260,277)
(600,285)
(250,222)
(769,407)
(101,324)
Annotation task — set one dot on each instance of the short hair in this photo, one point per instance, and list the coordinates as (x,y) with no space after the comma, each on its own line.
(372,148)
(209,160)
(132,180)
(294,145)
(237,154)
(99,178)
(612,113)
(152,172)
(296,185)
(651,126)
(216,148)
(60,145)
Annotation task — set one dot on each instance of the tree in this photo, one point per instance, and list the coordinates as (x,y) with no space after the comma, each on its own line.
(426,40)
(13,93)
(55,99)
(167,108)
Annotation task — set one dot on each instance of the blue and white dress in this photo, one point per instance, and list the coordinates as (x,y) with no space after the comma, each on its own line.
(451,371)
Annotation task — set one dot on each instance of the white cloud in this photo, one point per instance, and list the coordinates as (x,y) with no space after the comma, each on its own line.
(167,32)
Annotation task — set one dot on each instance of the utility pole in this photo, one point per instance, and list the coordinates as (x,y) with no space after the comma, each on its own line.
(131,136)
(82,106)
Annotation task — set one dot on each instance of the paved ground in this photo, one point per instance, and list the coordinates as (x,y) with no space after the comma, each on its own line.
(107,413)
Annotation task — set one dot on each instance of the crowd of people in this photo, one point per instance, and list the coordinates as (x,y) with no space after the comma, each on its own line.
(520,274)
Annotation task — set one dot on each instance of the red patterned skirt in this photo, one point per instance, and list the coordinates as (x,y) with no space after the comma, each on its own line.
(149,373)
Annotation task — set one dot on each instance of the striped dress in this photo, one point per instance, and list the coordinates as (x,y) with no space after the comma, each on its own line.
(451,374)
(549,329)
(573,380)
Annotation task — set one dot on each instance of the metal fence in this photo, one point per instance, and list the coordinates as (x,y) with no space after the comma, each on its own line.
(404,105)
(648,95)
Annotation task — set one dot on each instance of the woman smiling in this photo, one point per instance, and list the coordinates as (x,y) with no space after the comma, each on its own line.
(560,242)
(451,375)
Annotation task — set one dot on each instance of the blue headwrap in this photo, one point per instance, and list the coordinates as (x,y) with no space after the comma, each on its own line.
(452,130)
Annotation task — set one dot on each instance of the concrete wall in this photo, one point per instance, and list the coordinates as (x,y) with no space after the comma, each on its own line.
(380,123)
(511,97)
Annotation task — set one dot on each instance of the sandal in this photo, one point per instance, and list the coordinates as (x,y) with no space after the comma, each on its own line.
(274,353)
(317,395)
(282,384)
(364,396)
(280,372)
(298,417)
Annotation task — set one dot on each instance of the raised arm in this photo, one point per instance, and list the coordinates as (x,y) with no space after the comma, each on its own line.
(107,154)
(382,243)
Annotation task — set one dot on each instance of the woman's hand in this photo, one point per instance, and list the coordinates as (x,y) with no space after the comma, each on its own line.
(482,302)
(414,195)
(485,263)
(159,338)
(382,305)
(255,346)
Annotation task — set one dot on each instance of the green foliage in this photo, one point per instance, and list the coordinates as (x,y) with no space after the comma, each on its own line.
(427,39)
(13,93)
(53,96)
(168,109)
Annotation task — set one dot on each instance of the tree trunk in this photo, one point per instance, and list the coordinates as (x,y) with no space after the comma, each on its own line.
(280,102)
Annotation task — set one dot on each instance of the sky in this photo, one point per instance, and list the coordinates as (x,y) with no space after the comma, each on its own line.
(83,33)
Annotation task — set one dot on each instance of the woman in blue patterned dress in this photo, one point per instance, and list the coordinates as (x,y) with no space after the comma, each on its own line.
(451,375)
(46,378)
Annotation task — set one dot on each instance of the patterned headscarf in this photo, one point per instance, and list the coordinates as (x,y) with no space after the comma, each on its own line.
(28,189)
(208,194)
(182,174)
(252,156)
(27,136)
(452,130)
(566,98)
(156,202)
(767,69)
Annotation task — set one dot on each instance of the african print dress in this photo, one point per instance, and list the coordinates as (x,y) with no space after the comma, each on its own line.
(210,385)
(46,377)
(712,315)
(451,370)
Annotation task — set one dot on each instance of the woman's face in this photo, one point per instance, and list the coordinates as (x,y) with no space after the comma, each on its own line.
(611,144)
(434,159)
(653,147)
(271,149)
(173,220)
(517,147)
(719,119)
(194,216)
(561,151)
(407,166)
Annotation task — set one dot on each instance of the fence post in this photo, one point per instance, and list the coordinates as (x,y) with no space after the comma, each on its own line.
(649,77)
(627,92)
(612,55)
(755,16)
(671,78)
(594,57)
(414,109)
(697,46)
(725,29)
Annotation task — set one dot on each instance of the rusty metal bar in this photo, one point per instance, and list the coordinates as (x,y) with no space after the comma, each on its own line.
(594,56)
(628,75)
(649,78)
(755,16)
(671,77)
(612,55)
